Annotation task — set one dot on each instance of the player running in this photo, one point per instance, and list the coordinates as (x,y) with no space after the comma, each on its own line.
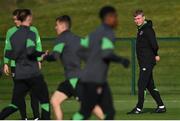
(65,49)
(27,76)
(93,77)
(34,102)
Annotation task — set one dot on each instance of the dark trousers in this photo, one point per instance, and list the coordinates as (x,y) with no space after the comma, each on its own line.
(38,88)
(146,82)
(95,94)
(34,105)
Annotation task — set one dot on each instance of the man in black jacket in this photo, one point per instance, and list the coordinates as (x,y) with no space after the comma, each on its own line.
(147,55)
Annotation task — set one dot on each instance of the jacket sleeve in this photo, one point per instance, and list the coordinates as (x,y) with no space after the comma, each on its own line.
(107,51)
(54,56)
(153,41)
(6,47)
(38,42)
(57,50)
(31,47)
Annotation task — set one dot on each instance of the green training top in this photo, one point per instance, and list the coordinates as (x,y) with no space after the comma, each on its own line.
(9,33)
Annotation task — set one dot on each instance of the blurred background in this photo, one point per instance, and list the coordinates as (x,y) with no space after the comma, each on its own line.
(165,16)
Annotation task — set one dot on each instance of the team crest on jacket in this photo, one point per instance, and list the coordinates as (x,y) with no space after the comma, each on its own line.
(141,32)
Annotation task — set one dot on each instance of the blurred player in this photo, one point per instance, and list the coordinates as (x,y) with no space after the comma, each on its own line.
(65,49)
(147,55)
(10,32)
(27,76)
(93,77)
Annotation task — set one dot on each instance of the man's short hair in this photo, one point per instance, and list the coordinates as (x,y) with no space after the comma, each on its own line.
(105,11)
(23,14)
(16,12)
(66,19)
(138,12)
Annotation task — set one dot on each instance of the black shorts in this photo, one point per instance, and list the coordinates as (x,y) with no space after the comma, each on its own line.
(66,88)
(96,94)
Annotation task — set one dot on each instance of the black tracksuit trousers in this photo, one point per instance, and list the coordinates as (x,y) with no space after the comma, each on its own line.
(146,82)
(7,111)
(38,88)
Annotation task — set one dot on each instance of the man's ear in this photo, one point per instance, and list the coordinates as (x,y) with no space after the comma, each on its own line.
(144,17)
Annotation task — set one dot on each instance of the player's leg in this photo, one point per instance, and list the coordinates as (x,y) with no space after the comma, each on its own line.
(97,109)
(56,101)
(23,91)
(156,96)
(98,112)
(7,111)
(143,80)
(63,92)
(19,92)
(11,108)
(89,100)
(35,105)
(40,90)
(106,103)
(18,99)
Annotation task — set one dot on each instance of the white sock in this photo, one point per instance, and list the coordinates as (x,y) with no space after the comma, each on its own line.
(138,109)
(162,106)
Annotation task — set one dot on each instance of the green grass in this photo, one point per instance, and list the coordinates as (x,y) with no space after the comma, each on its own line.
(124,105)
(165,15)
(84,13)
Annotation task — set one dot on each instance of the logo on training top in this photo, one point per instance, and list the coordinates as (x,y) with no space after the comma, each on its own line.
(141,32)
(144,69)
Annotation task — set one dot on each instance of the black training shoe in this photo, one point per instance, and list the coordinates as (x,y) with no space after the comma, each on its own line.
(160,110)
(135,111)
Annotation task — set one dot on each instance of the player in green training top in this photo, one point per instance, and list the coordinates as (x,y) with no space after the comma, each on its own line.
(10,32)
(27,76)
(66,47)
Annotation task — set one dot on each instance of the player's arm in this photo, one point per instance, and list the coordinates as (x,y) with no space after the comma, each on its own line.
(7,47)
(152,38)
(38,41)
(108,55)
(6,60)
(55,54)
(31,47)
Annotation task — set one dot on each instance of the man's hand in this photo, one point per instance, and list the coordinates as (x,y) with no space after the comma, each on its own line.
(157,58)
(45,54)
(125,63)
(6,69)
(39,64)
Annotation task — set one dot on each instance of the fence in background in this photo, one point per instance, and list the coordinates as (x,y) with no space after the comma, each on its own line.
(168,69)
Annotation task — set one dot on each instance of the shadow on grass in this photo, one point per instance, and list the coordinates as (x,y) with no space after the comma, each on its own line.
(148,110)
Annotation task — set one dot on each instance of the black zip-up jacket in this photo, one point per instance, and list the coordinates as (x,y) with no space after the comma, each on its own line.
(23,51)
(146,45)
